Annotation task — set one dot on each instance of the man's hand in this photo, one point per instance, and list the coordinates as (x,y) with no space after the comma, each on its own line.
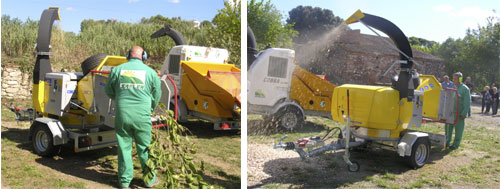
(462,116)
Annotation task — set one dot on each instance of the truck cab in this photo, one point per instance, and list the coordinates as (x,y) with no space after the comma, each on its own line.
(269,78)
(207,86)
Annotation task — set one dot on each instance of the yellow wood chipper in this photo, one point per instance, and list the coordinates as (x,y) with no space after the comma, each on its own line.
(383,116)
(73,107)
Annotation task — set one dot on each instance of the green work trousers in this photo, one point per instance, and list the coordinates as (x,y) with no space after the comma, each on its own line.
(137,130)
(459,131)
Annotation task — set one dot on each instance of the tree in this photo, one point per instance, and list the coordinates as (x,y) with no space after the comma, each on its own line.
(206,23)
(417,41)
(476,55)
(227,31)
(312,22)
(268,26)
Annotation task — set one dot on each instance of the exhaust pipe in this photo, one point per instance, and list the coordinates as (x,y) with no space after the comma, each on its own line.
(252,47)
(174,34)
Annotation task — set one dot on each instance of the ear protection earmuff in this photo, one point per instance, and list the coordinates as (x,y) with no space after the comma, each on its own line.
(460,76)
(144,55)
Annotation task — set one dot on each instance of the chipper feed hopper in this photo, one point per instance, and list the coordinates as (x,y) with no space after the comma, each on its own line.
(280,90)
(207,86)
(382,116)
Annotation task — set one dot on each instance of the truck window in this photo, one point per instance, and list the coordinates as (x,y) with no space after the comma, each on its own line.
(174,63)
(277,67)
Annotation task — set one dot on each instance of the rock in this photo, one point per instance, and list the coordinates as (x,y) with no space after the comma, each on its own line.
(12,82)
(15,73)
(11,90)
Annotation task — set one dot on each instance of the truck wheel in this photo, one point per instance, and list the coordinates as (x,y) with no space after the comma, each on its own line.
(419,153)
(43,144)
(290,117)
(92,62)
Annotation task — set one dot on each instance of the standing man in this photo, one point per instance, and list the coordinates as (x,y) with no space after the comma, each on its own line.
(136,90)
(447,83)
(463,108)
(471,87)
(496,99)
(484,99)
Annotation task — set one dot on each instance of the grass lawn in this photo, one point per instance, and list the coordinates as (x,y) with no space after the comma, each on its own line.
(21,168)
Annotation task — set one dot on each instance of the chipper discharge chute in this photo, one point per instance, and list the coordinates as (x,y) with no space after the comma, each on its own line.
(73,107)
(383,116)
(207,86)
(282,91)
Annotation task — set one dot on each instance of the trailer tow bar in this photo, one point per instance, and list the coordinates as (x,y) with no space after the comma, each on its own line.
(307,147)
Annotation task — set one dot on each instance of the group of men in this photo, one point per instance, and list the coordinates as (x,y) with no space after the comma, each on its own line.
(490,99)
(464,100)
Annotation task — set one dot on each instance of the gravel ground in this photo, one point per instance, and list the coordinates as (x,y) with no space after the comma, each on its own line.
(285,168)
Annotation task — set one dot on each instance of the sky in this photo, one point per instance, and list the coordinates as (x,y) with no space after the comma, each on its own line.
(428,19)
(73,12)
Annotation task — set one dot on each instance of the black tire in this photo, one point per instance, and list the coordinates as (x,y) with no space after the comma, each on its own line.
(419,153)
(42,141)
(289,117)
(354,167)
(92,62)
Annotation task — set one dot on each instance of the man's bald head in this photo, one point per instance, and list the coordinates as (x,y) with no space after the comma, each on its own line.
(136,52)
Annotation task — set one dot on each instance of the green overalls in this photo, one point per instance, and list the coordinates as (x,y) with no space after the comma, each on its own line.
(463,108)
(136,90)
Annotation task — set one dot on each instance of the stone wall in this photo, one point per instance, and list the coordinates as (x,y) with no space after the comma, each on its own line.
(360,59)
(15,84)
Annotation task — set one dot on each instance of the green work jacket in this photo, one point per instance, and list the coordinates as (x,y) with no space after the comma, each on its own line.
(464,99)
(136,89)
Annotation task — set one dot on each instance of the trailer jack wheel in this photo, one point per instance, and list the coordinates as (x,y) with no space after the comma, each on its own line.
(354,167)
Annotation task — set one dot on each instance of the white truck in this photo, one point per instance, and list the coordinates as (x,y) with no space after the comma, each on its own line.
(207,86)
(280,90)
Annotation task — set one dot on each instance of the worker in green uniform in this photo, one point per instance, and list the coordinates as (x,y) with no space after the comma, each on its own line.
(463,109)
(136,90)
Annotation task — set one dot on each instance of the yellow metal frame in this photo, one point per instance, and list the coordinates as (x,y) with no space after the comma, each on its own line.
(352,18)
(85,88)
(307,87)
(432,90)
(379,109)
(201,94)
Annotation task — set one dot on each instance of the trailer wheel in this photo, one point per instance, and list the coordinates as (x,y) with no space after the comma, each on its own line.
(92,62)
(290,117)
(419,153)
(354,167)
(42,141)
